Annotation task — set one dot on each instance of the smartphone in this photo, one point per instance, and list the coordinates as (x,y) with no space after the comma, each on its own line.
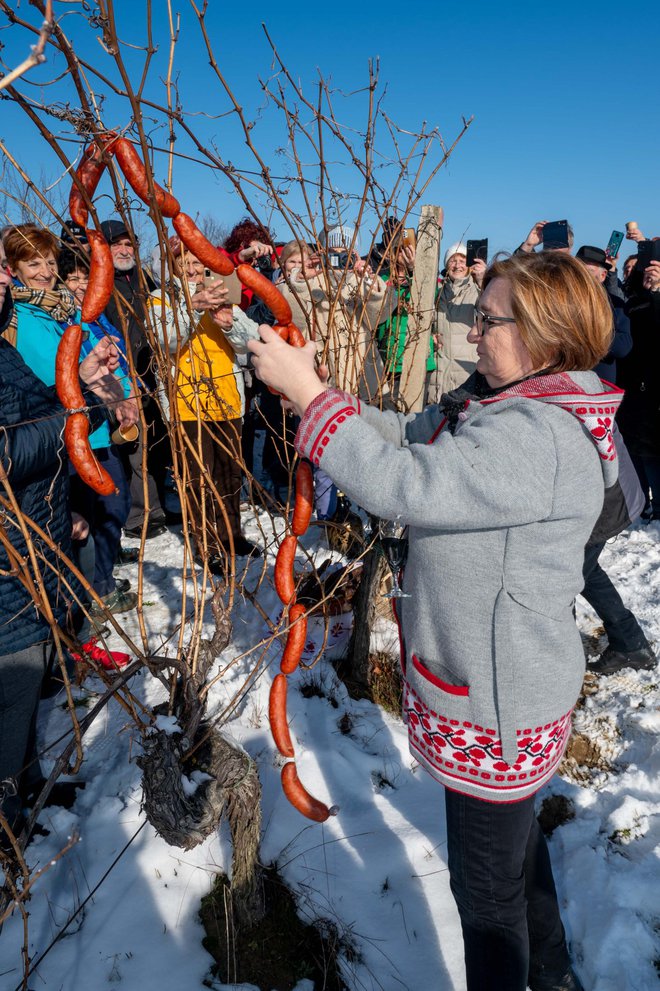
(230,282)
(408,237)
(477,250)
(647,251)
(555,235)
(614,244)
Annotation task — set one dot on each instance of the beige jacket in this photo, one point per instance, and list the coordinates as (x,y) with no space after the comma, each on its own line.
(343,318)
(456,359)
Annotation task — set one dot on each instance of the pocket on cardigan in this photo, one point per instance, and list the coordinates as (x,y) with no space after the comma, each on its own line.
(445,684)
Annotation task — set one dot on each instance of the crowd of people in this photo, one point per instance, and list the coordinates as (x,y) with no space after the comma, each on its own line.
(514,347)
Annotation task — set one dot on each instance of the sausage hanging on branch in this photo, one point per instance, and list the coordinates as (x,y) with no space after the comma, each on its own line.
(89,172)
(279,726)
(101,277)
(301,799)
(136,175)
(295,641)
(266,291)
(285,582)
(76,429)
(200,246)
(76,438)
(302,509)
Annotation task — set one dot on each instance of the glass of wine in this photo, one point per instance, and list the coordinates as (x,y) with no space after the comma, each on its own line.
(395,546)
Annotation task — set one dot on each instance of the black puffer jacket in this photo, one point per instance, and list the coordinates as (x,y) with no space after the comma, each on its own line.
(639,375)
(33,455)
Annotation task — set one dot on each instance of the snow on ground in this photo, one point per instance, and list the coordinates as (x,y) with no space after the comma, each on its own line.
(377,869)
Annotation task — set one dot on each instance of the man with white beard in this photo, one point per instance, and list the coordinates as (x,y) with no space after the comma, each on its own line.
(126,311)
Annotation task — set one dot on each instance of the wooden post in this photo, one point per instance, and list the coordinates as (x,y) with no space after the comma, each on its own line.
(421,308)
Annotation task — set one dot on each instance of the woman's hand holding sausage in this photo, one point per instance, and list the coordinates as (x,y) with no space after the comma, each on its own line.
(291,371)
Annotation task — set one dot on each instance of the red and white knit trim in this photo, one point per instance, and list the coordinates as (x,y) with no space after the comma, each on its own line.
(467,757)
(595,410)
(322,418)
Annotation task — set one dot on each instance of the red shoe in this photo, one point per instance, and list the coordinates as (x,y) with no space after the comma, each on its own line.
(111,660)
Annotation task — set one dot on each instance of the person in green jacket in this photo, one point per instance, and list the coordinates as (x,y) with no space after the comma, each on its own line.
(392,332)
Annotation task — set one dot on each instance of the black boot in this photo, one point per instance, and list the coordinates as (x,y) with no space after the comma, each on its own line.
(611,660)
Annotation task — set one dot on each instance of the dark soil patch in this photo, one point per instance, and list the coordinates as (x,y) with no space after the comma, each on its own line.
(277,952)
(555,811)
(315,689)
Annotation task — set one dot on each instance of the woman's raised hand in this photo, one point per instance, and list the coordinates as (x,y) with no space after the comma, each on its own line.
(103,360)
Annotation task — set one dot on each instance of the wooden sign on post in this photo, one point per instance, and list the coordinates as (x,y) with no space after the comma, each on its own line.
(421,308)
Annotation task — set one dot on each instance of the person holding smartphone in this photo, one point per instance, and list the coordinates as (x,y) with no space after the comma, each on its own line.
(535,239)
(598,265)
(204,334)
(639,375)
(456,356)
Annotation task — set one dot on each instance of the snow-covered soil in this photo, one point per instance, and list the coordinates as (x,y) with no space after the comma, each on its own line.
(377,869)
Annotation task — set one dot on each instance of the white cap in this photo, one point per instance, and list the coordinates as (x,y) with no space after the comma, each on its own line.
(456,249)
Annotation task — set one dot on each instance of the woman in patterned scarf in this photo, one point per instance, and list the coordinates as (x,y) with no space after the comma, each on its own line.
(42,309)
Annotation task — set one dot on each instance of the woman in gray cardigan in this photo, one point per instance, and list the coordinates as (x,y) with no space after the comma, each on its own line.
(500,494)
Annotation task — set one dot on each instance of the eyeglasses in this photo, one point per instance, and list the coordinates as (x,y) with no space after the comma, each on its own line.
(482,321)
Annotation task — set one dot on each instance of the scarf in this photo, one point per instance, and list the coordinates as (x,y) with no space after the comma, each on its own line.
(58,303)
(595,411)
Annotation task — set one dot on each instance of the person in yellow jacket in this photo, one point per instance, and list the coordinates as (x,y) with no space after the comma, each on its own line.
(204,334)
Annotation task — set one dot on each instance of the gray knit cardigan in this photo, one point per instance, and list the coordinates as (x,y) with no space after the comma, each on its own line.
(499,512)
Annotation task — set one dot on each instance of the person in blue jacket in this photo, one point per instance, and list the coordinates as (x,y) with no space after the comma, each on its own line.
(106,514)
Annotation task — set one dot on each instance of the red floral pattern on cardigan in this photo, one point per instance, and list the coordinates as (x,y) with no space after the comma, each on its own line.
(457,751)
(596,412)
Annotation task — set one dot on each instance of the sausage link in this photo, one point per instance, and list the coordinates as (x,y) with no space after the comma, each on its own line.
(295,641)
(136,175)
(76,429)
(76,438)
(101,277)
(300,798)
(266,292)
(89,172)
(279,726)
(200,246)
(67,360)
(285,584)
(302,510)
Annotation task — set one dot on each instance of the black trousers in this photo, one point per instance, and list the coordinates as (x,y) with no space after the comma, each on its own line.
(218,442)
(623,631)
(501,879)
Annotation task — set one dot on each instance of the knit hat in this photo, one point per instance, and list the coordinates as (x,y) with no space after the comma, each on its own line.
(455,249)
(338,237)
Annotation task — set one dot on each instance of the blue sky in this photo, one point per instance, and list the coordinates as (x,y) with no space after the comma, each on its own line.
(564,98)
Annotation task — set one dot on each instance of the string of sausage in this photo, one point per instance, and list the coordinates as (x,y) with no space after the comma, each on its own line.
(76,431)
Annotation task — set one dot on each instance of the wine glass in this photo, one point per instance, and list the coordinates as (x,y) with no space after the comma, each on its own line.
(395,546)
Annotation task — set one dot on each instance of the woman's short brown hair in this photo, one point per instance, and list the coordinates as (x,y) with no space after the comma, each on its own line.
(25,241)
(564,317)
